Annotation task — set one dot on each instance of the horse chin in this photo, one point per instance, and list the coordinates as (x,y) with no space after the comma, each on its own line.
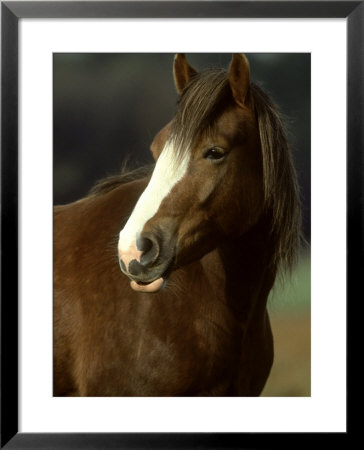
(154,286)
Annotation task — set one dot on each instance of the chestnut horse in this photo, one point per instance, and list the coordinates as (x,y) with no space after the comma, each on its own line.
(199,241)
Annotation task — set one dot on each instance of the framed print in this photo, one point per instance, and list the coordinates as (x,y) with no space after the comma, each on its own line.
(41,44)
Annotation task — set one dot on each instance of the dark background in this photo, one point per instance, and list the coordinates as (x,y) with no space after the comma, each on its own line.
(108,107)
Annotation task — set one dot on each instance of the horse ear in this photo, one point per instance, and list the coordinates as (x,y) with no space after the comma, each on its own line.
(182,71)
(239,78)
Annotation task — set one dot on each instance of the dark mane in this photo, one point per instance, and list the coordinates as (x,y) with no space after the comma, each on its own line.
(200,103)
(126,176)
(280,180)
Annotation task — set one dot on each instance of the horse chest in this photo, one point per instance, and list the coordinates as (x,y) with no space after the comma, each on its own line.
(162,355)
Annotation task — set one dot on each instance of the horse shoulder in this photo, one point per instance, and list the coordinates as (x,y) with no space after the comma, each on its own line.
(85,236)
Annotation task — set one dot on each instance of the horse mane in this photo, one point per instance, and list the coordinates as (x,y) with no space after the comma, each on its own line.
(198,106)
(200,103)
(114,181)
(281,191)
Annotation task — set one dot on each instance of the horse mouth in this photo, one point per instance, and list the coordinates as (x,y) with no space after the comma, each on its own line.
(151,287)
(151,279)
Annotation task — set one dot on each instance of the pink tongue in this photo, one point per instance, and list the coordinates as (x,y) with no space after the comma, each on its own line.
(155,286)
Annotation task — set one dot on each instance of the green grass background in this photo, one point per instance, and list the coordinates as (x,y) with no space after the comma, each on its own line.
(290,313)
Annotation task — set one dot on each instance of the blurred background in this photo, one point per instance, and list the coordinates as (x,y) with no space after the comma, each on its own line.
(107,107)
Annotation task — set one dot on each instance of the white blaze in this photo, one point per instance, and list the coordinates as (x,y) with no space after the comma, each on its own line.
(167,172)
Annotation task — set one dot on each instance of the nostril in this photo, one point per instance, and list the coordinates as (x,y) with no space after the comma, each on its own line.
(135,268)
(150,249)
(144,244)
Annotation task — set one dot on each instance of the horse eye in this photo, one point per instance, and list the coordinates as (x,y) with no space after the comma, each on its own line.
(215,153)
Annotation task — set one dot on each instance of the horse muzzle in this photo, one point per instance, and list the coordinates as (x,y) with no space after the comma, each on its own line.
(146,263)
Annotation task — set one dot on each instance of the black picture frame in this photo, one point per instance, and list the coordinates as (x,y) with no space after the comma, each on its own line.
(11,12)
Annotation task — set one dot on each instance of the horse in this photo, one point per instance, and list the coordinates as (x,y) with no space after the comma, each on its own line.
(162,275)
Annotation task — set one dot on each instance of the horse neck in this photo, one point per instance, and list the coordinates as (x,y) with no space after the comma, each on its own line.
(249,272)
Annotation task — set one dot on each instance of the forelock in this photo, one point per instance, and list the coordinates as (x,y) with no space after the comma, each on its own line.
(198,107)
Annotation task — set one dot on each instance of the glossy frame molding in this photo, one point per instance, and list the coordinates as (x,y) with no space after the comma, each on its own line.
(11,12)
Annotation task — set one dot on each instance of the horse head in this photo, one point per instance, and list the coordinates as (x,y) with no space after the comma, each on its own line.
(207,184)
